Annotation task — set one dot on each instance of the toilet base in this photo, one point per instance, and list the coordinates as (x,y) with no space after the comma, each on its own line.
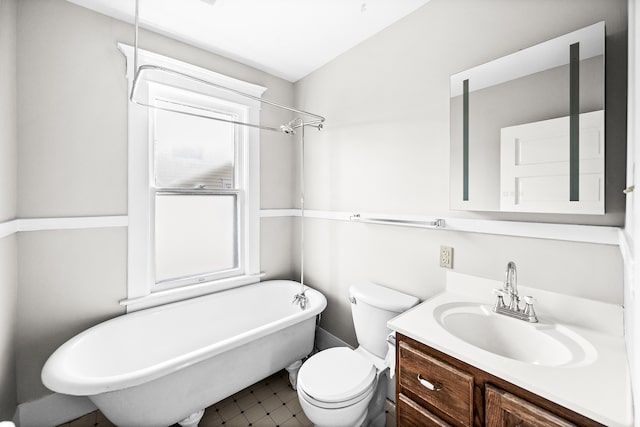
(379,421)
(377,416)
(361,421)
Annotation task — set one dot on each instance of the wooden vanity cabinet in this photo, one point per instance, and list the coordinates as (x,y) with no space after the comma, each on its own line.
(465,396)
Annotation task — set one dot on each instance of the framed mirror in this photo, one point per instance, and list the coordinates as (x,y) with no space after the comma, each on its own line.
(527,129)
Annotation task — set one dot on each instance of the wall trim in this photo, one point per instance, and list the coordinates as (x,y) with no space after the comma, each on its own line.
(277,213)
(8,228)
(53,409)
(13,226)
(606,235)
(81,222)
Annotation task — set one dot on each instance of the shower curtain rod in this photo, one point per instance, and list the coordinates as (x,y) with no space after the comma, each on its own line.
(314,120)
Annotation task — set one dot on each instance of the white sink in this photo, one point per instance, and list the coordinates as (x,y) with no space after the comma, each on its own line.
(577,347)
(542,343)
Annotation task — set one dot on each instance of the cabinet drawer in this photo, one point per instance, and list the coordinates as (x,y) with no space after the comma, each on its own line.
(410,414)
(453,388)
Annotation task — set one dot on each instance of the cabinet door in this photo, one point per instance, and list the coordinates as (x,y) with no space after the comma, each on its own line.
(410,414)
(506,410)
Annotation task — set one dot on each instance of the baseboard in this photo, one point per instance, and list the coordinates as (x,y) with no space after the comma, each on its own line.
(52,410)
(325,340)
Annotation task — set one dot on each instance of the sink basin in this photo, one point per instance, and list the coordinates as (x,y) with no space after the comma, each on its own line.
(534,343)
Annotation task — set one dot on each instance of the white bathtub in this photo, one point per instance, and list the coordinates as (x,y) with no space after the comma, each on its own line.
(155,367)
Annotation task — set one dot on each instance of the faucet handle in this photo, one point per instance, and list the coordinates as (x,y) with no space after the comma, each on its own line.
(528,309)
(500,293)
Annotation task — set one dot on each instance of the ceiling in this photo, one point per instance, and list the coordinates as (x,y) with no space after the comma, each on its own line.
(286,38)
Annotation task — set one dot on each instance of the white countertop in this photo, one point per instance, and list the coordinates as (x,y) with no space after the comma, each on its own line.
(598,388)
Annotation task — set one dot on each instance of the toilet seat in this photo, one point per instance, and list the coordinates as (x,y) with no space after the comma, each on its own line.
(337,405)
(336,377)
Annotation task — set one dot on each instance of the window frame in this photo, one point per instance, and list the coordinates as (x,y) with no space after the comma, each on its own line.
(142,291)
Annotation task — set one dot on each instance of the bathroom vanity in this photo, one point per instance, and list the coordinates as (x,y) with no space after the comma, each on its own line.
(466,395)
(461,364)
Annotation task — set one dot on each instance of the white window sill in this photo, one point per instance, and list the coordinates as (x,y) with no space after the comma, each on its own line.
(178,294)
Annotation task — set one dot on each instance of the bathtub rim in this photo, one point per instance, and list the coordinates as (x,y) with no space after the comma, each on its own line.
(58,376)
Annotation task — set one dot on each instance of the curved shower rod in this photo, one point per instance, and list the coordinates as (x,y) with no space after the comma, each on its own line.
(315,120)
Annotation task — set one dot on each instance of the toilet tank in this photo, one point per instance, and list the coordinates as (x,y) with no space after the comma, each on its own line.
(372,306)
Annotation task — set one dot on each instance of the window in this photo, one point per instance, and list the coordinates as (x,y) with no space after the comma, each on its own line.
(196,237)
(193,187)
(197,187)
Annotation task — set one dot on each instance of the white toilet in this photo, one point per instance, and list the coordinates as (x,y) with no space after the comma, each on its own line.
(340,387)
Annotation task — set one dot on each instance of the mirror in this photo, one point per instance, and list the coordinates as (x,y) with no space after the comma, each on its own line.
(527,129)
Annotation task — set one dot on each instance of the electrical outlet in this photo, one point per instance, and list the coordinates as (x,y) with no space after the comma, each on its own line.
(446,256)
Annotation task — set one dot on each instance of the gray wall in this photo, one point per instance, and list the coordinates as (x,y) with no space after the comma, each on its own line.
(69,280)
(72,126)
(386,149)
(8,136)
(8,246)
(8,303)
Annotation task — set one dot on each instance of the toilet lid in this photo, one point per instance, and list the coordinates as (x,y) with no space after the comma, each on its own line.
(336,374)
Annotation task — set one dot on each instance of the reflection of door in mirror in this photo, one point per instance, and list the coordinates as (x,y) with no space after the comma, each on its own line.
(529,91)
(534,166)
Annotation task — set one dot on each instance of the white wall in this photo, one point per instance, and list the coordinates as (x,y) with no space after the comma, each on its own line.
(386,149)
(8,247)
(72,127)
(632,230)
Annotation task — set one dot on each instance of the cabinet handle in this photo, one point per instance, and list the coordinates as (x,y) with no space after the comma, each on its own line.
(431,386)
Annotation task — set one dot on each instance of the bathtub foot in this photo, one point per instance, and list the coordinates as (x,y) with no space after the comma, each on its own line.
(193,419)
(293,373)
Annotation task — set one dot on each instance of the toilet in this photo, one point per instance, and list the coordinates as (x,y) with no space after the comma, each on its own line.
(341,387)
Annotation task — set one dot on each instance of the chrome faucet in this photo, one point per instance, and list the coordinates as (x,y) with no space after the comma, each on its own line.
(510,289)
(301,299)
(511,285)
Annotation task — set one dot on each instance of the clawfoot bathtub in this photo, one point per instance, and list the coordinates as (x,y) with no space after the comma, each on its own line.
(163,365)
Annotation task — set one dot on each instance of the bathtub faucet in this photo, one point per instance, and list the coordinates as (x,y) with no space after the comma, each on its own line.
(301,299)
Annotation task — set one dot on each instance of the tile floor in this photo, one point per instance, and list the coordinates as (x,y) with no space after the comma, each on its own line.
(268,403)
